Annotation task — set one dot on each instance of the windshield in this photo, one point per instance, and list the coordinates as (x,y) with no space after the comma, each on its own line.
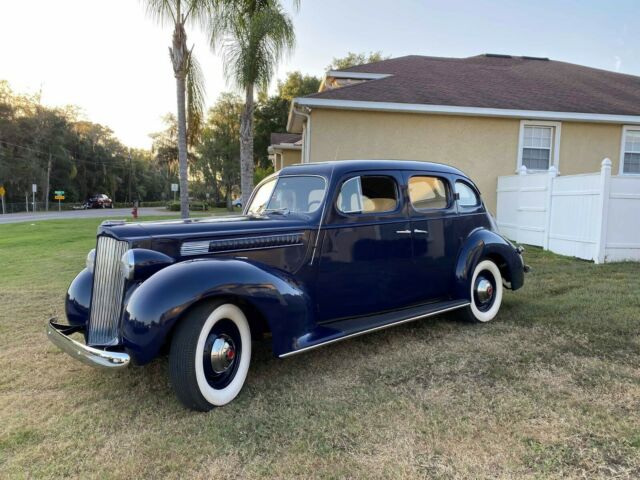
(289,194)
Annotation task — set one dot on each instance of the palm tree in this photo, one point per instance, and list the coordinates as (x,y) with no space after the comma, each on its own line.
(254,35)
(189,80)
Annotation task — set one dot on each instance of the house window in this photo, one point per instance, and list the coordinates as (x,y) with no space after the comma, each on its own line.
(539,145)
(630,161)
(536,147)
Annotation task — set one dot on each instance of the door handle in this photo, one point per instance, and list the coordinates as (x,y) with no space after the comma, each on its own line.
(403,231)
(417,230)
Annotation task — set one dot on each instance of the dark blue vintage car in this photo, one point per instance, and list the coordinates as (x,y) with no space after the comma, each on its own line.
(322,253)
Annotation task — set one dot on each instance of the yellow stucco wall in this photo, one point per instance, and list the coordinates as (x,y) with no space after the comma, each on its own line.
(484,148)
(583,146)
(289,157)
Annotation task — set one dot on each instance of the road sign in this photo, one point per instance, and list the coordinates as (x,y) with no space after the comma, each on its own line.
(34,188)
(59,192)
(174,187)
(59,197)
(2,191)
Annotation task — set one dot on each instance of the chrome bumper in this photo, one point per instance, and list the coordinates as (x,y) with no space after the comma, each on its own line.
(58,334)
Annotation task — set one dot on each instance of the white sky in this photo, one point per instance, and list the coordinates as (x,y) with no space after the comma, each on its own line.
(108,58)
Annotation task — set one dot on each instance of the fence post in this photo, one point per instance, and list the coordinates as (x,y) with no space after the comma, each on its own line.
(522,172)
(552,173)
(603,212)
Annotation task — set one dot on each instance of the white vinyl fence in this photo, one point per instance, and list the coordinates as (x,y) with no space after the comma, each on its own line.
(593,216)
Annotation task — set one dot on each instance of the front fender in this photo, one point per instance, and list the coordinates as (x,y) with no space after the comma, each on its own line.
(483,243)
(78,299)
(157,304)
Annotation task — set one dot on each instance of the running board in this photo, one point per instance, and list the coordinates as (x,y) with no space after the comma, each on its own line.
(344,329)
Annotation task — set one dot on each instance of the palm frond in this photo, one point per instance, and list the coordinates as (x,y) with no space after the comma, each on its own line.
(254,42)
(162,11)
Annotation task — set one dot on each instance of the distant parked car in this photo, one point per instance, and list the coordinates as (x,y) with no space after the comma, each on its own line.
(237,203)
(99,201)
(324,252)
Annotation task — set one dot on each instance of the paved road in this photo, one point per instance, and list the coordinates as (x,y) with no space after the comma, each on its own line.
(70,214)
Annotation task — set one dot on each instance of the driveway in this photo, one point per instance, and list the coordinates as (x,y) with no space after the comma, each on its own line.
(96,213)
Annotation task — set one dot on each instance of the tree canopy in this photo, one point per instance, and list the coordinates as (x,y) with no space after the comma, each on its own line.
(352,59)
(82,157)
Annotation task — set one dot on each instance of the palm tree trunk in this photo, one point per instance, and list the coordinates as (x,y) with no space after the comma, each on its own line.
(246,146)
(182,147)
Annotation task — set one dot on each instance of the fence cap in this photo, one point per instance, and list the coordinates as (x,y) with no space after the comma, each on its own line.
(606,162)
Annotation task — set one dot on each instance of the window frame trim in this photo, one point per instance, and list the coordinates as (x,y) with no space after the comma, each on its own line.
(625,129)
(554,158)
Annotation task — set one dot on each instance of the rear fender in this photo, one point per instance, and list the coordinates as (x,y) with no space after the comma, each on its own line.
(155,306)
(483,243)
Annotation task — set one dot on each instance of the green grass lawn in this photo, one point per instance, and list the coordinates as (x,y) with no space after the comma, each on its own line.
(551,388)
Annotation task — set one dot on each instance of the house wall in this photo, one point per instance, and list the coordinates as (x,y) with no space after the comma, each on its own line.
(584,145)
(289,157)
(484,148)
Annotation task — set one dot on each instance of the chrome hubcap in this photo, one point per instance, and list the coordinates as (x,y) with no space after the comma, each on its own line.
(223,354)
(484,290)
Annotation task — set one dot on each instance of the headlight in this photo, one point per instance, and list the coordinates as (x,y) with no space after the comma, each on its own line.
(91,259)
(128,265)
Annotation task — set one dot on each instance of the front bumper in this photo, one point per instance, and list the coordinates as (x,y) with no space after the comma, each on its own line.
(59,336)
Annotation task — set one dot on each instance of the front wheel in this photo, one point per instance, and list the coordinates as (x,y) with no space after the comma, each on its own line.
(486,293)
(210,355)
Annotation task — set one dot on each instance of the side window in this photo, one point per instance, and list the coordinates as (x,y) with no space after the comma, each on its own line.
(427,193)
(350,197)
(368,194)
(467,197)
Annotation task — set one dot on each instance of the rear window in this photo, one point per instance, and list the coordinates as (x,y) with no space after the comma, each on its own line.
(466,195)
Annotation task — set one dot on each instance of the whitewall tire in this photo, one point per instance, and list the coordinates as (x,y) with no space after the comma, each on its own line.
(210,355)
(485,292)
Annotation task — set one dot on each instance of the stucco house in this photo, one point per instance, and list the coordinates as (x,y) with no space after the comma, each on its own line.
(487,115)
(285,149)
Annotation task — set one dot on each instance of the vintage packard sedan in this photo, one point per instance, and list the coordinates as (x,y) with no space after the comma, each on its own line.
(322,253)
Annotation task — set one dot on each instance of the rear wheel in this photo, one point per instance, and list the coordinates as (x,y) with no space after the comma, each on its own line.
(486,293)
(210,356)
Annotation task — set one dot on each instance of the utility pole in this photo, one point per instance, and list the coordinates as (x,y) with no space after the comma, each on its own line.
(46,198)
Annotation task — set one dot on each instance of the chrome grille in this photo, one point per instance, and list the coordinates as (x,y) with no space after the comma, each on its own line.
(108,287)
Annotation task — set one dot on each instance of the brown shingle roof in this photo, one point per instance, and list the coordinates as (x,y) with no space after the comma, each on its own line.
(278,138)
(487,81)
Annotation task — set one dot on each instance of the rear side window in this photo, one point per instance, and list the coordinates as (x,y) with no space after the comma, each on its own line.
(467,196)
(368,194)
(428,193)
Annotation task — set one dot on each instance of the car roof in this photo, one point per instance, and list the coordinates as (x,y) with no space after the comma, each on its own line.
(345,166)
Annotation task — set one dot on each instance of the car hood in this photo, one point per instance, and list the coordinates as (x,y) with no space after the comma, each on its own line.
(204,227)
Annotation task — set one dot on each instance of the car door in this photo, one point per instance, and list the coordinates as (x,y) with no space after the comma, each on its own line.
(432,213)
(366,248)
